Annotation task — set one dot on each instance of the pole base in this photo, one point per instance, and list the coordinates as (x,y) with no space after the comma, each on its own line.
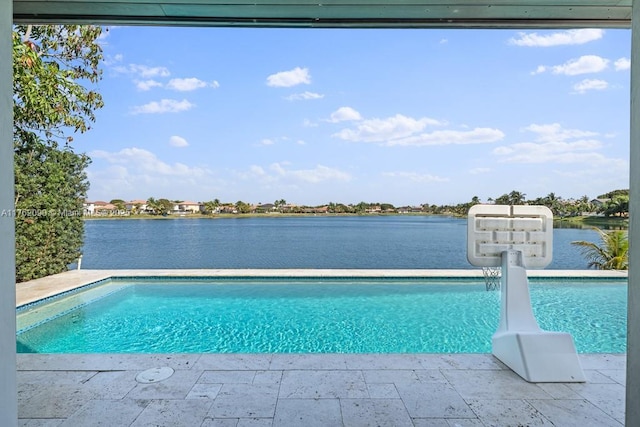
(540,357)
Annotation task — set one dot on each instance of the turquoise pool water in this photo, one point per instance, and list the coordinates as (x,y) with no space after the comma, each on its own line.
(292,315)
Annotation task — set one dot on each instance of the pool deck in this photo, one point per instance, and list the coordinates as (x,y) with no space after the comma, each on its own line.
(306,390)
(311,390)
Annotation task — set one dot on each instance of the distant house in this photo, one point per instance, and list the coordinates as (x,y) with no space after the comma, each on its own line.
(405,209)
(227,209)
(106,209)
(316,210)
(265,208)
(136,206)
(95,208)
(88,207)
(188,207)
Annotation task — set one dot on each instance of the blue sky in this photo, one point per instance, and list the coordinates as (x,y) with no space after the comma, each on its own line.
(399,116)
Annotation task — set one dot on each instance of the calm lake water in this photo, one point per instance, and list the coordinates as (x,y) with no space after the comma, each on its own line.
(367,242)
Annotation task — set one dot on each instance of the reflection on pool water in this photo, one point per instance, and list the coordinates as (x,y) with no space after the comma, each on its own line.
(312,315)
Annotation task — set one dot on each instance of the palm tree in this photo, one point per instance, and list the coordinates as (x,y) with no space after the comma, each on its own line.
(279,204)
(210,207)
(242,207)
(516,198)
(611,254)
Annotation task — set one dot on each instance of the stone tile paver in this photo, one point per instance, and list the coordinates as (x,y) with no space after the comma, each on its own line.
(227,377)
(308,413)
(204,391)
(168,412)
(245,401)
(107,413)
(382,391)
(573,413)
(55,401)
(440,422)
(375,412)
(493,385)
(49,422)
(507,413)
(433,400)
(610,398)
(323,384)
(390,376)
(177,386)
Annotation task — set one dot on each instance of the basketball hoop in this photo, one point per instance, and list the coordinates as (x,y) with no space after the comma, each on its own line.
(491,277)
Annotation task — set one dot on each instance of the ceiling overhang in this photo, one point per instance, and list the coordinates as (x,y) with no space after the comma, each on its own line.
(331,13)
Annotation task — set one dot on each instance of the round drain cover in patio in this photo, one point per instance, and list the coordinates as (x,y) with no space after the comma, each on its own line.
(154,375)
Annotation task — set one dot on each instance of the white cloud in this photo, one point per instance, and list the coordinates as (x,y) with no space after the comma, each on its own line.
(590,84)
(289,78)
(143,161)
(541,69)
(143,71)
(215,84)
(304,96)
(274,140)
(145,85)
(135,173)
(549,152)
(163,106)
(553,144)
(282,174)
(318,174)
(344,114)
(622,64)
(555,132)
(402,130)
(416,177)
(451,137)
(186,85)
(110,61)
(178,141)
(384,130)
(583,65)
(569,37)
(257,170)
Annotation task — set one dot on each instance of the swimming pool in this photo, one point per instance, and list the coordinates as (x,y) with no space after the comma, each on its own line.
(311,315)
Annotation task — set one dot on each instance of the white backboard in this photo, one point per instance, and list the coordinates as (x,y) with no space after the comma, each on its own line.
(493,229)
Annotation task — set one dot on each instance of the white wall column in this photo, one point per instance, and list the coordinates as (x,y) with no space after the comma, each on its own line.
(633,317)
(8,383)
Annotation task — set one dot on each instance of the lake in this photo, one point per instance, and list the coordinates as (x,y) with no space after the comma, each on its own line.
(355,242)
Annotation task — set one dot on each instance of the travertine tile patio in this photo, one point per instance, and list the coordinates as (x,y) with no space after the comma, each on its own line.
(465,390)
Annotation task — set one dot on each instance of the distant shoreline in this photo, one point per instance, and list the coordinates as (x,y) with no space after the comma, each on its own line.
(594,221)
(254,215)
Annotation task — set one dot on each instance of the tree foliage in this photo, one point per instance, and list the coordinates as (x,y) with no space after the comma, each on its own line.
(611,254)
(51,66)
(49,225)
(159,206)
